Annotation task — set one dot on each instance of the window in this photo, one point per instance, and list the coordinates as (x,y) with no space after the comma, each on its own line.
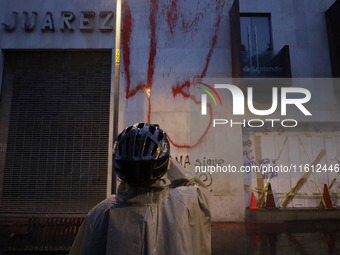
(252,50)
(256,40)
(255,33)
(333,30)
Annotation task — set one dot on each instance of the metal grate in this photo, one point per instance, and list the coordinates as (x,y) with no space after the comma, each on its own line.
(57,144)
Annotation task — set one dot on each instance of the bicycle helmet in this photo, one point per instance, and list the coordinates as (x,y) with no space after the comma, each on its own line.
(141,153)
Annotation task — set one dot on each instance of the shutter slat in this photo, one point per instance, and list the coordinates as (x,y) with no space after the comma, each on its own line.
(58,131)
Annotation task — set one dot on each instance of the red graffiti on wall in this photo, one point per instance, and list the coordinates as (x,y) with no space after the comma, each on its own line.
(180,88)
(184,91)
(127,29)
(247,143)
(173,11)
(171,15)
(248,154)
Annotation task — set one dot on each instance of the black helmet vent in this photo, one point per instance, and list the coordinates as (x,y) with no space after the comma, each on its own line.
(140,125)
(152,129)
(160,136)
(128,129)
(141,153)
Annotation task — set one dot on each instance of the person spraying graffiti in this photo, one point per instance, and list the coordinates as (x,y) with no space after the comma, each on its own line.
(158,209)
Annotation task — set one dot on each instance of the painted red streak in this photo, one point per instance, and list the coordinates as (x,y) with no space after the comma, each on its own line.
(213,44)
(219,8)
(127,19)
(127,29)
(172,16)
(153,43)
(205,132)
(183,89)
(189,25)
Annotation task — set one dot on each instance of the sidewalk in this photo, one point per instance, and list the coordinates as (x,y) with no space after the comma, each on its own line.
(297,237)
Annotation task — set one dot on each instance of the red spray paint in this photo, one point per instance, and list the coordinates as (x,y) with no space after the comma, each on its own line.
(183,88)
(126,52)
(172,19)
(172,16)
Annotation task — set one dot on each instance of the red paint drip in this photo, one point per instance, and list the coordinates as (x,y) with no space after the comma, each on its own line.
(172,16)
(172,19)
(153,43)
(205,132)
(187,26)
(213,43)
(132,93)
(219,8)
(127,29)
(183,89)
(153,51)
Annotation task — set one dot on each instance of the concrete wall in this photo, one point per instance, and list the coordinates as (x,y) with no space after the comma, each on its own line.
(36,39)
(168,43)
(301,25)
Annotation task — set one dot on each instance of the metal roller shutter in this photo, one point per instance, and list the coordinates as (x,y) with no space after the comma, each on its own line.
(58,127)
